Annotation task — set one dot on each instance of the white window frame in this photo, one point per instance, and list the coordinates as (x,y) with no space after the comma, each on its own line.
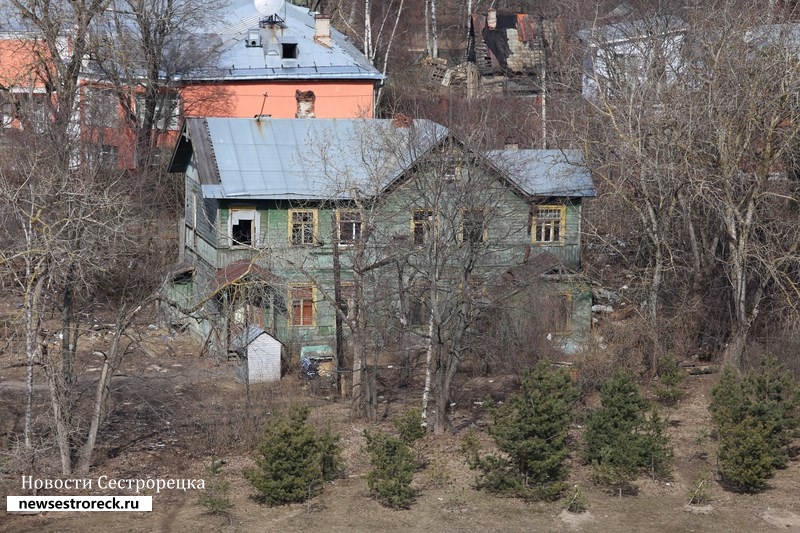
(238,214)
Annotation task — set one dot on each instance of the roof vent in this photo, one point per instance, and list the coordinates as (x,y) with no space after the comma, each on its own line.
(253,38)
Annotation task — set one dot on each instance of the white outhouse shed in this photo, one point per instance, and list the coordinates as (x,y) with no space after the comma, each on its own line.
(260,355)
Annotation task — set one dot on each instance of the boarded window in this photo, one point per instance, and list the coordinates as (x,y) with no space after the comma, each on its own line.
(302,302)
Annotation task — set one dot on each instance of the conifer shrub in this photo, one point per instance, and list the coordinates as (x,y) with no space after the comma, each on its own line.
(621,440)
(670,378)
(215,496)
(393,467)
(756,417)
(530,432)
(409,425)
(292,460)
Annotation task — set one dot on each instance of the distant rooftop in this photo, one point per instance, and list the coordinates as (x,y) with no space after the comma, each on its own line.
(311,59)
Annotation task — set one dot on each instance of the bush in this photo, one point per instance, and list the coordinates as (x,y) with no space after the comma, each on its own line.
(409,425)
(670,378)
(393,467)
(292,460)
(699,490)
(756,419)
(531,432)
(621,440)
(215,496)
(575,501)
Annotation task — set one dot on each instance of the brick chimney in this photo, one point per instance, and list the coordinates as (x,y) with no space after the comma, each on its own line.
(511,143)
(491,19)
(305,104)
(401,120)
(322,29)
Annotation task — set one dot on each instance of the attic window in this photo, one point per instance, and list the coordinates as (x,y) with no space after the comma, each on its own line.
(288,50)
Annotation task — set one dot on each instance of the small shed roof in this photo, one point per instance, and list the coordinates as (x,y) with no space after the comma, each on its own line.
(620,32)
(246,337)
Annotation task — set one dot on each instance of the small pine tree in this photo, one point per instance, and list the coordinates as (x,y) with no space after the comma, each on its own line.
(745,458)
(620,440)
(670,377)
(393,467)
(409,425)
(531,432)
(756,418)
(292,460)
(215,496)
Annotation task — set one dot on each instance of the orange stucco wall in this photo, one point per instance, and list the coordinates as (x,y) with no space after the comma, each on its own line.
(333,99)
(17,58)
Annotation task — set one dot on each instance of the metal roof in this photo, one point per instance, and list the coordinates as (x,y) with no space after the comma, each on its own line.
(545,172)
(314,60)
(325,159)
(307,158)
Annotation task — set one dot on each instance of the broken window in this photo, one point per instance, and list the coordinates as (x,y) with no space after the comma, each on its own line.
(302,226)
(421,225)
(301,298)
(243,227)
(473,226)
(549,221)
(349,226)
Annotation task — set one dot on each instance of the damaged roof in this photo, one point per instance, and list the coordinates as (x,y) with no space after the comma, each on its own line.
(621,32)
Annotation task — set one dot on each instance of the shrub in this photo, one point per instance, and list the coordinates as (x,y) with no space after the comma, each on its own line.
(292,460)
(699,490)
(215,496)
(530,431)
(670,378)
(409,425)
(393,467)
(575,501)
(756,419)
(620,440)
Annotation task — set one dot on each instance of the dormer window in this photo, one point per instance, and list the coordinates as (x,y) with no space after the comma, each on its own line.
(288,50)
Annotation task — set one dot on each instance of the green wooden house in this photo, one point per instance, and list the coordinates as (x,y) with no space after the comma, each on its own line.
(280,213)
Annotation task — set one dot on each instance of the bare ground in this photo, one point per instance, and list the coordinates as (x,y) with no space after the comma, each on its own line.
(174,408)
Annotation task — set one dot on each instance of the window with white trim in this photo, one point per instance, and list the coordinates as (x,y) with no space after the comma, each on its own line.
(302,226)
(548,224)
(349,224)
(243,227)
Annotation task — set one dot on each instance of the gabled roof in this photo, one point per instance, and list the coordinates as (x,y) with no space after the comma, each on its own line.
(308,159)
(545,172)
(325,159)
(315,60)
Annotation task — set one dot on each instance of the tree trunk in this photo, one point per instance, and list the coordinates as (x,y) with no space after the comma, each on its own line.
(428,373)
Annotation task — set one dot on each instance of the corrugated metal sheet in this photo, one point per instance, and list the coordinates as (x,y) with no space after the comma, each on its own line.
(545,172)
(311,159)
